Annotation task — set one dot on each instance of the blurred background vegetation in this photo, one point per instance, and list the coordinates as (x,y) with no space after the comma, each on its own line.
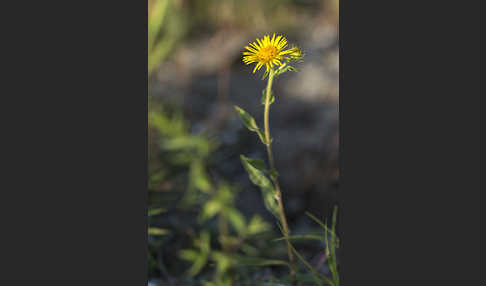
(207,222)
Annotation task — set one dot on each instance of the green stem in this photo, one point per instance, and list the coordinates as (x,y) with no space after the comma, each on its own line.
(278,194)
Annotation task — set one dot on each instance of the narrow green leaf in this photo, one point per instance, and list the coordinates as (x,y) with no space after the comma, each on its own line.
(257,225)
(334,244)
(315,273)
(249,249)
(281,69)
(198,265)
(334,218)
(257,163)
(199,177)
(265,74)
(157,231)
(223,261)
(291,68)
(263,138)
(264,97)
(251,124)
(153,212)
(284,69)
(188,254)
(210,209)
(247,119)
(259,179)
(256,176)
(198,259)
(273,174)
(256,261)
(237,220)
(325,227)
(302,236)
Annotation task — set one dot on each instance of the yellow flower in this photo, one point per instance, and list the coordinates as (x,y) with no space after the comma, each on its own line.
(267,52)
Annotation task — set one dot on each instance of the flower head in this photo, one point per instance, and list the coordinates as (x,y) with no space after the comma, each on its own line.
(267,51)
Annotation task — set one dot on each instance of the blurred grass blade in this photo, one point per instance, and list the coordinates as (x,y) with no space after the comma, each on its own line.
(334,244)
(302,236)
(157,231)
(200,258)
(317,276)
(257,225)
(158,10)
(237,220)
(325,227)
(256,261)
(153,212)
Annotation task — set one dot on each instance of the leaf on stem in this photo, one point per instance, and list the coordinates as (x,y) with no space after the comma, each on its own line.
(248,120)
(259,179)
(264,96)
(273,174)
(251,124)
(265,74)
(257,163)
(284,69)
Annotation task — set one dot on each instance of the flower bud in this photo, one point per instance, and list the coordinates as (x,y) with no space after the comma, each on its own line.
(296,54)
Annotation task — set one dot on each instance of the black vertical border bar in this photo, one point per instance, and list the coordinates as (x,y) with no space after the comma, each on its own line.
(78,158)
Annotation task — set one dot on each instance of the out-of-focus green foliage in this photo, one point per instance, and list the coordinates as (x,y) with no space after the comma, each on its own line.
(178,155)
(233,231)
(176,169)
(167,24)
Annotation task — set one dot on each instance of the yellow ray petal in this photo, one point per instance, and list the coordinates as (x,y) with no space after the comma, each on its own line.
(255,46)
(259,43)
(250,49)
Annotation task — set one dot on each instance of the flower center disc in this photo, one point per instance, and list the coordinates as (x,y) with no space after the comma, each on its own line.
(268,53)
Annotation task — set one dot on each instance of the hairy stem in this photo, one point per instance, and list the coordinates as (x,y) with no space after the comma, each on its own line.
(278,194)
